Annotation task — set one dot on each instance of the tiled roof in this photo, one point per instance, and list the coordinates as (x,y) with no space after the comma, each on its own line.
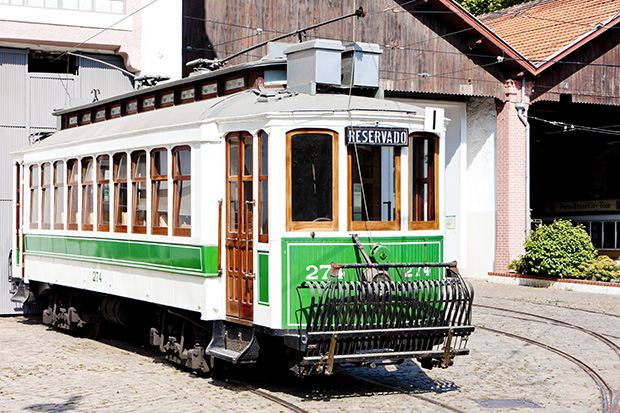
(541,29)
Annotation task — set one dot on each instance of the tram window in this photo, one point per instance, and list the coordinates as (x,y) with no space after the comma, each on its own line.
(159,183)
(138,182)
(88,176)
(375,197)
(35,178)
(181,177)
(103,193)
(72,194)
(312,199)
(423,158)
(263,194)
(59,195)
(120,192)
(233,183)
(46,194)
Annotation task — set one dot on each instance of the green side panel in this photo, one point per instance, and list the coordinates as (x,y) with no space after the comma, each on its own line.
(179,258)
(263,278)
(310,259)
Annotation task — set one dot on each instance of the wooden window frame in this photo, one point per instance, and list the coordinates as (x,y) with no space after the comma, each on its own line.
(135,184)
(46,193)
(101,181)
(310,225)
(34,188)
(176,203)
(155,178)
(434,168)
(58,188)
(262,178)
(72,187)
(374,225)
(85,184)
(117,182)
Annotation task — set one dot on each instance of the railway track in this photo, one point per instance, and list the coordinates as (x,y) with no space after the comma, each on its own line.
(611,404)
(445,406)
(290,406)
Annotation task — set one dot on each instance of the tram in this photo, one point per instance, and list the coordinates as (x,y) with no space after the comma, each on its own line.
(265,210)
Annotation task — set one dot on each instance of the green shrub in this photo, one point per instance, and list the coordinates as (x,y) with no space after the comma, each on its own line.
(602,268)
(556,250)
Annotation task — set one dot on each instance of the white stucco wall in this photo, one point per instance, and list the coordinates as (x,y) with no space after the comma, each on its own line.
(148,34)
(57,29)
(162,25)
(480,178)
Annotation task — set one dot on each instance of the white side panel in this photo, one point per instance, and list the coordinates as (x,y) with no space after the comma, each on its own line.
(6,223)
(192,293)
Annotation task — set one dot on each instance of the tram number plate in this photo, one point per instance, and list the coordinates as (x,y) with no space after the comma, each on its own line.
(322,271)
(426,272)
(97,277)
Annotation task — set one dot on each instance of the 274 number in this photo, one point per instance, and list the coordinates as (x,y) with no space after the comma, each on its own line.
(97,277)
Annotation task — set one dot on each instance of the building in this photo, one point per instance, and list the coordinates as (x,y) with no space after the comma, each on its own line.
(574,122)
(56,54)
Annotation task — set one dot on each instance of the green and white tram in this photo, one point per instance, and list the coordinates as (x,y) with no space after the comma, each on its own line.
(237,219)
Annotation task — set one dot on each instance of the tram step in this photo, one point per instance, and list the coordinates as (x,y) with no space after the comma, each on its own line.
(233,343)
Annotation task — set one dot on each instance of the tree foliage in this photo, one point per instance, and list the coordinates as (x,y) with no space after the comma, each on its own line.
(477,7)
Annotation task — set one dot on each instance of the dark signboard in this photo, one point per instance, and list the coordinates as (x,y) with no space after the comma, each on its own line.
(369,135)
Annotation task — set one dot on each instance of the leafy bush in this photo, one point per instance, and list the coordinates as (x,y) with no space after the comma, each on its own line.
(556,250)
(602,268)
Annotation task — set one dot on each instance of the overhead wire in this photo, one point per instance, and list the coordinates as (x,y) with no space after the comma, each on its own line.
(570,127)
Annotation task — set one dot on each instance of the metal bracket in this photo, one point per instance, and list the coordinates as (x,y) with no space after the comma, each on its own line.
(448,353)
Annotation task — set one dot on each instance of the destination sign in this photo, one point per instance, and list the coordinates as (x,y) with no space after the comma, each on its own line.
(360,135)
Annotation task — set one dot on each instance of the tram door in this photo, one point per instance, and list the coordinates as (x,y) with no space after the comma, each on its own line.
(239,220)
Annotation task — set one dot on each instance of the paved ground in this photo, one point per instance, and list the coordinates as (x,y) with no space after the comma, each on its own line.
(44,370)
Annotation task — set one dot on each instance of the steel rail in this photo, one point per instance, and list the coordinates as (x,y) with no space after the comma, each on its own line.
(268,396)
(615,406)
(560,306)
(606,393)
(609,343)
(408,393)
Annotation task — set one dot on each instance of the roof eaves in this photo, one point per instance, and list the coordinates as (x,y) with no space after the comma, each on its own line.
(481,28)
(571,47)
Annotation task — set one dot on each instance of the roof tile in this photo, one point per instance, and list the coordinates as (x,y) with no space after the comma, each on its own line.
(540,29)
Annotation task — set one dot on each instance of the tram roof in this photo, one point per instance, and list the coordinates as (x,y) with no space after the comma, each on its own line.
(244,104)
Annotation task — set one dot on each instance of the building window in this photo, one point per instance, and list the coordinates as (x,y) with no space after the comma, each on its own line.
(72,194)
(263,188)
(103,193)
(312,195)
(423,158)
(138,182)
(59,195)
(88,179)
(120,192)
(181,178)
(35,179)
(374,197)
(46,196)
(159,190)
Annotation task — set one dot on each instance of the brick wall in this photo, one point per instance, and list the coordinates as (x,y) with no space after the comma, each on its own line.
(511,177)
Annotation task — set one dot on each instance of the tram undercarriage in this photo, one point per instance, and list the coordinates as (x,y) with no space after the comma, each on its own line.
(367,313)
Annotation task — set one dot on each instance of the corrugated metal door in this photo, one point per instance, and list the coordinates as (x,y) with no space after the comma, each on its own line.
(13,135)
(107,80)
(48,91)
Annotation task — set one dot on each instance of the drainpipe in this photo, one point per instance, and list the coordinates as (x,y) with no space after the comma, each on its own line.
(521,108)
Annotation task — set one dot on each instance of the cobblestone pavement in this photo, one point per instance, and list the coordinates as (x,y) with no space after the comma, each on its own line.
(44,370)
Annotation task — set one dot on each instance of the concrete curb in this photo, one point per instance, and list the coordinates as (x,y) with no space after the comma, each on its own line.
(585,286)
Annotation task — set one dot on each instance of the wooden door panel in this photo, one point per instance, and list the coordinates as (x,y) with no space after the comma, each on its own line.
(239,233)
